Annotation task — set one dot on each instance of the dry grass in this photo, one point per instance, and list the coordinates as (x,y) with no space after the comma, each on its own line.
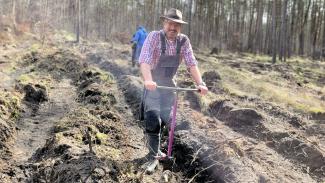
(9,104)
(270,86)
(104,76)
(257,58)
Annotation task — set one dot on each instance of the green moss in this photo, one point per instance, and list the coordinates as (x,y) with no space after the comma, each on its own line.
(316,110)
(3,101)
(108,151)
(68,36)
(107,77)
(26,78)
(35,47)
(15,100)
(258,57)
(78,137)
(104,75)
(10,105)
(101,136)
(59,136)
(15,114)
(8,68)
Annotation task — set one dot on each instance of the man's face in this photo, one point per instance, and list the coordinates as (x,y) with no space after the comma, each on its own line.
(171,28)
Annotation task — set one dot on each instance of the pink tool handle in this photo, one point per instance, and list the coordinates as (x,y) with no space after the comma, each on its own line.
(172,129)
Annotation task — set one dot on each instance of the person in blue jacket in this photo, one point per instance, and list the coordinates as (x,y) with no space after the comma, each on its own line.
(138,40)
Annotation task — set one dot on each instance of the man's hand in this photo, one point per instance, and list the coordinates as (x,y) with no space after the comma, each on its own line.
(150,85)
(202,89)
(194,70)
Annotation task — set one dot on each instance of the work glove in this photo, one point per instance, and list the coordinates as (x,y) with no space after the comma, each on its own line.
(134,45)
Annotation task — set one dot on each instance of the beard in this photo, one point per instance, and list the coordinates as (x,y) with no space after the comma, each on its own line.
(172,33)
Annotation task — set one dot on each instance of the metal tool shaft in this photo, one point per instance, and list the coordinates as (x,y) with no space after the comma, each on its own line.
(173,117)
(176,88)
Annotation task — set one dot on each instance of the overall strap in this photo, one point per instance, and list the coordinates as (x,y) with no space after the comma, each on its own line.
(179,45)
(163,43)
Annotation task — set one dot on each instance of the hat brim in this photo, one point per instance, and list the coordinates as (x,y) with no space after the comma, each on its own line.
(174,20)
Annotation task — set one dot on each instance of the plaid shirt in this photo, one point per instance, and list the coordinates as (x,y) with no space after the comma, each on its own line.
(151,50)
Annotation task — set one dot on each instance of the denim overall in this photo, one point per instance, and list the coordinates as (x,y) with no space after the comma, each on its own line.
(158,103)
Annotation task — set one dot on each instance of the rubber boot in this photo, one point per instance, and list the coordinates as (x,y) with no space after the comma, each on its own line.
(153,143)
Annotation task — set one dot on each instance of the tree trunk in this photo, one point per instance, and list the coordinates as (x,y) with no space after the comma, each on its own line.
(302,29)
(283,38)
(242,26)
(13,14)
(268,42)
(190,18)
(250,33)
(274,49)
(323,45)
(292,33)
(259,26)
(313,30)
(78,21)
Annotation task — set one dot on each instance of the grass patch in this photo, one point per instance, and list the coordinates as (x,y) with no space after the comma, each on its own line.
(9,104)
(104,75)
(65,35)
(102,137)
(35,47)
(35,78)
(27,78)
(270,87)
(77,117)
(9,68)
(108,152)
(257,57)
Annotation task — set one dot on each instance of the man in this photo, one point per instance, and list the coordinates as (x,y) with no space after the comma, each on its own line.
(137,40)
(160,57)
